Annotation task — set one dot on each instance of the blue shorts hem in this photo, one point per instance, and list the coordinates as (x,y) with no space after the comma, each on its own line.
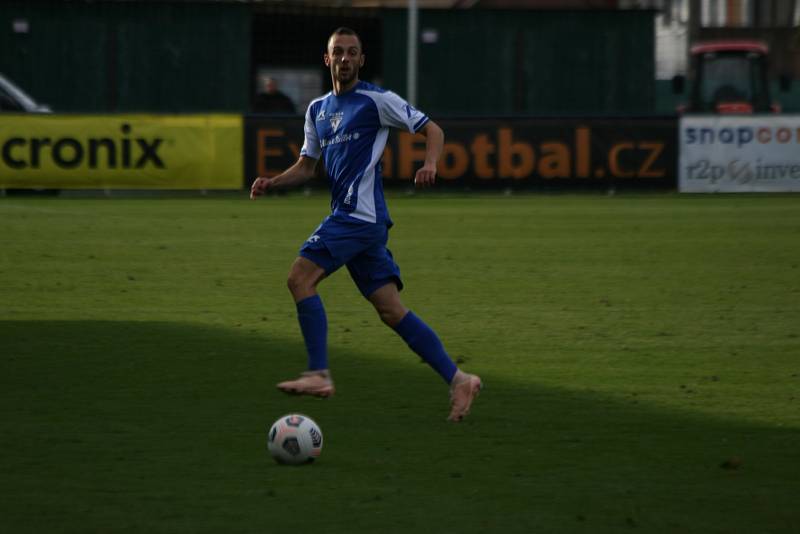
(374,285)
(320,258)
(359,246)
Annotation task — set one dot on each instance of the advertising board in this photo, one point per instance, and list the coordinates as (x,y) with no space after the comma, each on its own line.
(121,151)
(492,152)
(739,154)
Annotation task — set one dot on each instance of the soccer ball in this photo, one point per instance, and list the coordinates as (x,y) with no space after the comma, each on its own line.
(294,439)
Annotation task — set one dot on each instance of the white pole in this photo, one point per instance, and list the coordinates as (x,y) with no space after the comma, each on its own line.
(411,65)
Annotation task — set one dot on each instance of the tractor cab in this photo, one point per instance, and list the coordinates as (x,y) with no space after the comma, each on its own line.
(729,77)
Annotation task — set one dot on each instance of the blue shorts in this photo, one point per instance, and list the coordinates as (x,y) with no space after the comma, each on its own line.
(360,246)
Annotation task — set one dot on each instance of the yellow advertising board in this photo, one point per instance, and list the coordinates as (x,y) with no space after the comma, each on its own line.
(121,151)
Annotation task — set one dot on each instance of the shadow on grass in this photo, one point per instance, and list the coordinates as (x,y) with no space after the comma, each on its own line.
(161,427)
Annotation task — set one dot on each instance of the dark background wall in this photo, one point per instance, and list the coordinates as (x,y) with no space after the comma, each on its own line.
(203,56)
(530,62)
(297,36)
(129,56)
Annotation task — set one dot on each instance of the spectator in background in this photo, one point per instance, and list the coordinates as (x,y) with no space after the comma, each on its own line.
(272,99)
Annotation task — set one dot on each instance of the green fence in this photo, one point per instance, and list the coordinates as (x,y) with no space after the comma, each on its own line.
(200,56)
(129,56)
(527,62)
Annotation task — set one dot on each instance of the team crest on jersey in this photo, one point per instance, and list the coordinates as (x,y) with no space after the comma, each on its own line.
(336,120)
(321,116)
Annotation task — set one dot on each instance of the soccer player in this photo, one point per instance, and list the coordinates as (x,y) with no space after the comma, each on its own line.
(348,127)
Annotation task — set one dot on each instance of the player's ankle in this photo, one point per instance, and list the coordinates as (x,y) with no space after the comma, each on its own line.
(324,373)
(459,378)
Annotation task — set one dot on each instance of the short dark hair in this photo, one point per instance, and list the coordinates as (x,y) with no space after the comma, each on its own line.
(344,30)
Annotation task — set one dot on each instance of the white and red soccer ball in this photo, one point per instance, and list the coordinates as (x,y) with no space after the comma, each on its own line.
(294,439)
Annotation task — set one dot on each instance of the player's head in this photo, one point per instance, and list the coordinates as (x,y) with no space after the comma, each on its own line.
(344,56)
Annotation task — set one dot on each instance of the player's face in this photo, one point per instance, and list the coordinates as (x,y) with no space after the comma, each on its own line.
(344,58)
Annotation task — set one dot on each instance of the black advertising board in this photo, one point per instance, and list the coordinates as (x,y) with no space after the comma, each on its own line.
(543,153)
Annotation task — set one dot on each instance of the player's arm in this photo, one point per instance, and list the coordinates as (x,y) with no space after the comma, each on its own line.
(434,143)
(298,174)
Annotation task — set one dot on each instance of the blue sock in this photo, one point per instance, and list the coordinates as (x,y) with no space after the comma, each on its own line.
(425,342)
(314,325)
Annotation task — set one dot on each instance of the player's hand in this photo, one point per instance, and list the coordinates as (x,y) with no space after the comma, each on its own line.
(260,187)
(426,176)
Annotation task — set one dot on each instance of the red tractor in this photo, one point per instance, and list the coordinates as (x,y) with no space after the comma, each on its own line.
(729,77)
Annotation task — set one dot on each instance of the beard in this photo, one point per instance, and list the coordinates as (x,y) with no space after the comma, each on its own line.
(348,76)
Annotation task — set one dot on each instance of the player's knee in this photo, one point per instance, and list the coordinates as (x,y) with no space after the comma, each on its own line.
(391,315)
(297,284)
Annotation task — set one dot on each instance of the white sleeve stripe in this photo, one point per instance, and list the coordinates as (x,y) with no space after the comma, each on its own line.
(393,110)
(365,205)
(311,147)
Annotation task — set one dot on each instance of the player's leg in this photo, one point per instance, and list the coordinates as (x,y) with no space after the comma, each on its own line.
(418,335)
(378,278)
(304,276)
(331,245)
(421,338)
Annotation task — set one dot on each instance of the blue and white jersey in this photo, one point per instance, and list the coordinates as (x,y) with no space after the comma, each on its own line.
(349,131)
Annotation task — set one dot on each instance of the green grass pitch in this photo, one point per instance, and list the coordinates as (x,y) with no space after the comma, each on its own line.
(640,355)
